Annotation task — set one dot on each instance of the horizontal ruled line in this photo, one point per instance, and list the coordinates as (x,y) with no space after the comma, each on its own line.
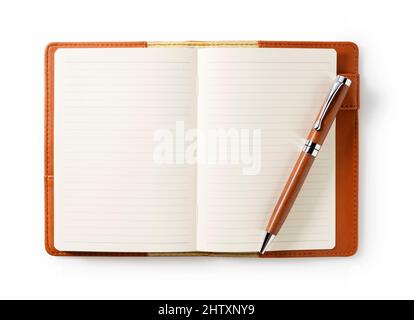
(265,62)
(127,61)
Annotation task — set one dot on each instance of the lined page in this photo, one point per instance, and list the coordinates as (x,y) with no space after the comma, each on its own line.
(110,195)
(278,93)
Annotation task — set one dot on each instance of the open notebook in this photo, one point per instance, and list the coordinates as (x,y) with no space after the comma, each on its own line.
(129,176)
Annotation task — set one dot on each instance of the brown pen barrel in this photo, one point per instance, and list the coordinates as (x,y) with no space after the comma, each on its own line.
(290,192)
(304,163)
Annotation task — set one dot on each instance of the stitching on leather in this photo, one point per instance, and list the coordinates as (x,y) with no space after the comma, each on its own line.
(97,44)
(47,101)
(204,44)
(355,188)
(47,149)
(352,106)
(50,249)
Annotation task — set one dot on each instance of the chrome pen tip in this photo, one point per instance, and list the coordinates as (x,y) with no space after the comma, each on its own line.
(267,240)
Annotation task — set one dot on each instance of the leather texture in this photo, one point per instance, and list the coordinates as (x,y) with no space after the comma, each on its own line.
(346,147)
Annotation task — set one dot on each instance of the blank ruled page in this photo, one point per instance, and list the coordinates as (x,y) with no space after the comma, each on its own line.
(110,195)
(278,93)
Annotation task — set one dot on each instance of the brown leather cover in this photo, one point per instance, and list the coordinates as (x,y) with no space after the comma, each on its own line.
(346,148)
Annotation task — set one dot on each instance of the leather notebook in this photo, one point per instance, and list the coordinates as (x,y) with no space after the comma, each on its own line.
(182,148)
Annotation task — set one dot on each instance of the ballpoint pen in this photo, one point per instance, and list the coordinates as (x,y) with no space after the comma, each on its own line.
(316,137)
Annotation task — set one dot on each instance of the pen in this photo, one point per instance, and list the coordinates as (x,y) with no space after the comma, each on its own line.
(316,137)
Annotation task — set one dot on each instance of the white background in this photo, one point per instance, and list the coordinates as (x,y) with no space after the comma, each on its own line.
(384,264)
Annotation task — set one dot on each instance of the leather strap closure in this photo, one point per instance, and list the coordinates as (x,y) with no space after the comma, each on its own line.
(351,101)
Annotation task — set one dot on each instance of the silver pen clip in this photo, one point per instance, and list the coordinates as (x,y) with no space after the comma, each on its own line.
(339,82)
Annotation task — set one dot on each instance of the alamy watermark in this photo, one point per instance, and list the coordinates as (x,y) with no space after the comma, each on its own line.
(218,146)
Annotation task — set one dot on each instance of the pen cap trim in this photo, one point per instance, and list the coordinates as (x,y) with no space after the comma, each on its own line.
(336,86)
(344,80)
